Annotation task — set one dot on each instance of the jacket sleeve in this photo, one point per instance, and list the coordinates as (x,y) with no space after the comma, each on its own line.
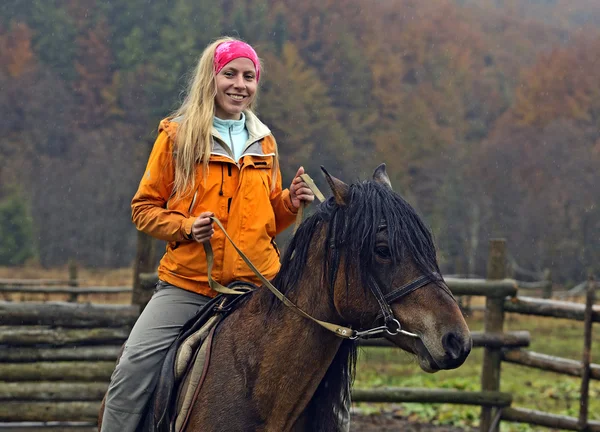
(149,205)
(285,212)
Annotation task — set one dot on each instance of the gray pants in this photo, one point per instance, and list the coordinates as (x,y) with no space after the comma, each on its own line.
(135,377)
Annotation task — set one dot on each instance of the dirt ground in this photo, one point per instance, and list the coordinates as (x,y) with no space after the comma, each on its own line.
(389,423)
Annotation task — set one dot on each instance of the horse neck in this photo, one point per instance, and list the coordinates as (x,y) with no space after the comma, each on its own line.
(312,293)
(282,355)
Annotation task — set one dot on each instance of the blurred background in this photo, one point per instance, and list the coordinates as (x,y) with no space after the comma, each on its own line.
(486,112)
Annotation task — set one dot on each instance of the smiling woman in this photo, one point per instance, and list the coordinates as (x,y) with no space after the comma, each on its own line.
(213,158)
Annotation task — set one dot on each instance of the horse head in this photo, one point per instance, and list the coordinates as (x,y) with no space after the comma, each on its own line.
(383,272)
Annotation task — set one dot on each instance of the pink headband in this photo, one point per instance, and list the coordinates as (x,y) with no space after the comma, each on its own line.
(228,51)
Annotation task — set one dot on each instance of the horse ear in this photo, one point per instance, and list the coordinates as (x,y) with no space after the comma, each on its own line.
(380,176)
(339,188)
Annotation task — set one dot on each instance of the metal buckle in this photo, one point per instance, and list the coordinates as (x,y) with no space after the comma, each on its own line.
(391,331)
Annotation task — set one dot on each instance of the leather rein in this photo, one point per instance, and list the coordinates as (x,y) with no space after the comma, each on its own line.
(391,324)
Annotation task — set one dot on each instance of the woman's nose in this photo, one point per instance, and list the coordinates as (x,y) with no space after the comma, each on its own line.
(239,82)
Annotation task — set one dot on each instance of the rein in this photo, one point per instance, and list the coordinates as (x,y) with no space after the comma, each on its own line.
(391,325)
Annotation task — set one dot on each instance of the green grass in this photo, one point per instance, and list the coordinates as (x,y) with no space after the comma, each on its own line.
(531,388)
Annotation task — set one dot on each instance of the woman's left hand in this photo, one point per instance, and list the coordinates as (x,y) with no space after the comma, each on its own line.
(299,190)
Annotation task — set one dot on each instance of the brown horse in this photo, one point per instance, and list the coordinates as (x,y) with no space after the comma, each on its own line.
(363,260)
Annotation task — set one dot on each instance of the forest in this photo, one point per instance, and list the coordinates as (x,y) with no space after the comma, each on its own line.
(486,112)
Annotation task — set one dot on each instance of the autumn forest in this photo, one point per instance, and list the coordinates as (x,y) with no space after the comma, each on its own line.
(487,114)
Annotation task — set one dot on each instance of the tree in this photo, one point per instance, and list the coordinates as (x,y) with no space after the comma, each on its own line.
(16,230)
(294,102)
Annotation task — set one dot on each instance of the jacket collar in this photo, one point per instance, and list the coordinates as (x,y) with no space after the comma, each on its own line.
(257,130)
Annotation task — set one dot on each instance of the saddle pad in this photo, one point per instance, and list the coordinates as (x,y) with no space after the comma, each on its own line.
(192,382)
(190,345)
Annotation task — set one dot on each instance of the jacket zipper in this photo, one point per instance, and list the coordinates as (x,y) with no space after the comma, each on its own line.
(231,141)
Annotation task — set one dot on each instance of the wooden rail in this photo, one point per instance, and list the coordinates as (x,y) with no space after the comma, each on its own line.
(427,395)
(22,283)
(66,314)
(550,308)
(549,363)
(64,290)
(513,339)
(541,418)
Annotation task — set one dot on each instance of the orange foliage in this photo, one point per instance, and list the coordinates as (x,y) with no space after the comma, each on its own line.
(16,55)
(94,74)
(562,84)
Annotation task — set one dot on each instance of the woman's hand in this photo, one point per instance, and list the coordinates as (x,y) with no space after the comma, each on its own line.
(202,228)
(299,190)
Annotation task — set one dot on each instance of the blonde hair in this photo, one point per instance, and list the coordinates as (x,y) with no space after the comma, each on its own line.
(193,141)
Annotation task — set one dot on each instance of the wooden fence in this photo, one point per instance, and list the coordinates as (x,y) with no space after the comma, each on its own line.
(501,298)
(56,358)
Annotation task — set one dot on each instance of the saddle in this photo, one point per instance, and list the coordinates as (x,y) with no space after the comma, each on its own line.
(186,364)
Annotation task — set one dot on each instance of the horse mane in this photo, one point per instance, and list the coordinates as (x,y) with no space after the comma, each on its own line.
(353,227)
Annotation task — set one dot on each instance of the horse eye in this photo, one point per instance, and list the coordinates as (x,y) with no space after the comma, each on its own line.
(383,252)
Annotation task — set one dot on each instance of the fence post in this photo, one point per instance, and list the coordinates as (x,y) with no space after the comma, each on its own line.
(73,282)
(548,280)
(144,263)
(587,356)
(494,323)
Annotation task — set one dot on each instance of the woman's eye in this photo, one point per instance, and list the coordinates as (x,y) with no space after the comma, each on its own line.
(383,252)
(249,77)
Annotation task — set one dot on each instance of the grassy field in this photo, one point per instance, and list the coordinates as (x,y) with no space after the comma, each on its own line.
(531,388)
(380,367)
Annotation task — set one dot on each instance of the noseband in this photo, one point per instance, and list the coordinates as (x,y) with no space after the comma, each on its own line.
(391,325)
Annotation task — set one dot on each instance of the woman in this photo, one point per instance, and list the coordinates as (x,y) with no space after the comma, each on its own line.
(212,157)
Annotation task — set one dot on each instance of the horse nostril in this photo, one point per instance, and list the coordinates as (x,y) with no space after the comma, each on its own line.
(453,345)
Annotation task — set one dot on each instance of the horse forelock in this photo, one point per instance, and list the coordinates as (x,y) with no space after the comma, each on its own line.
(372,207)
(354,228)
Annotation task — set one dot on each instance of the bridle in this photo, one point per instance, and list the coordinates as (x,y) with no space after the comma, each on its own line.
(391,325)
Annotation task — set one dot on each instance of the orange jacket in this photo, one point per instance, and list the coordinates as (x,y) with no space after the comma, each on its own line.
(239,194)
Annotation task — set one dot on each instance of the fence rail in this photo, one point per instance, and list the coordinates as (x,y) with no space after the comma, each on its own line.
(426,395)
(513,339)
(549,363)
(541,418)
(550,308)
(64,290)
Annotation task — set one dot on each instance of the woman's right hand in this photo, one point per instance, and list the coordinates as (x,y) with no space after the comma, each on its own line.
(202,228)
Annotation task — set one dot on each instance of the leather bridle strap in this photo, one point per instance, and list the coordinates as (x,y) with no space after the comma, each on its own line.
(384,305)
(411,286)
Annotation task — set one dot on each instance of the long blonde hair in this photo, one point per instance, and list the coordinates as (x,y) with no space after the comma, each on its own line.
(193,141)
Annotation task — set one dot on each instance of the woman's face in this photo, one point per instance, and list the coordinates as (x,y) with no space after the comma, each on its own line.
(236,86)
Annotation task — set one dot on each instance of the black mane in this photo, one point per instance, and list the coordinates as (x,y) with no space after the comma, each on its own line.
(353,227)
